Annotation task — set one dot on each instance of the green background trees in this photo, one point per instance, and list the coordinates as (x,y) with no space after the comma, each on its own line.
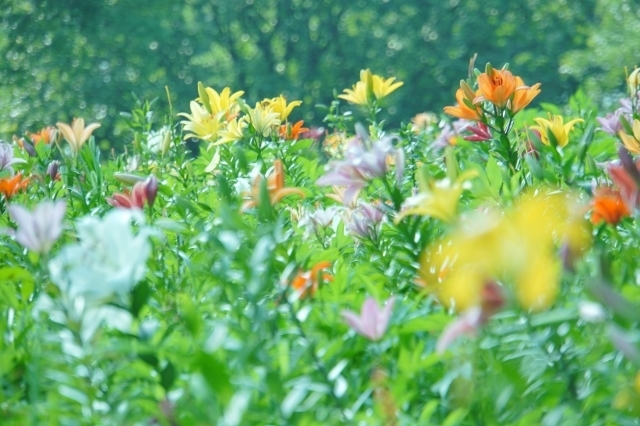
(68,58)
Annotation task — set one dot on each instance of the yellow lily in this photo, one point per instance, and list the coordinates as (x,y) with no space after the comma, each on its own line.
(514,247)
(357,95)
(632,142)
(76,134)
(200,124)
(263,118)
(221,104)
(437,199)
(280,106)
(233,132)
(557,128)
(383,88)
(369,85)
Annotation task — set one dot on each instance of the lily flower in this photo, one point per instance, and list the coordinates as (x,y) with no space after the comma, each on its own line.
(555,130)
(10,186)
(142,192)
(292,132)
(76,134)
(611,122)
(523,95)
(373,321)
(219,105)
(368,86)
(632,142)
(46,135)
(361,165)
(322,218)
(626,176)
(514,247)
(466,108)
(7,160)
(437,199)
(275,187)
(608,206)
(341,196)
(384,87)
(263,118)
(233,132)
(365,221)
(279,105)
(480,133)
(496,86)
(200,124)
(40,229)
(472,320)
(307,282)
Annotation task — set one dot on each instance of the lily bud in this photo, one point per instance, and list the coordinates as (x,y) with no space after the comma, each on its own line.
(53,170)
(634,82)
(128,179)
(166,143)
(151,189)
(29,148)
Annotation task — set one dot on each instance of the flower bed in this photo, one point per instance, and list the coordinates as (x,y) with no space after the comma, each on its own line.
(474,270)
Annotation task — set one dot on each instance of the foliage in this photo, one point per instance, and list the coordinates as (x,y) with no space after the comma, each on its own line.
(71,58)
(234,288)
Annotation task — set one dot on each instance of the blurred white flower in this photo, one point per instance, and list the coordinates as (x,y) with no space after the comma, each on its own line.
(591,311)
(40,229)
(108,259)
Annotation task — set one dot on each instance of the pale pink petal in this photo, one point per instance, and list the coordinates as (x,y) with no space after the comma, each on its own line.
(354,321)
(385,316)
(465,325)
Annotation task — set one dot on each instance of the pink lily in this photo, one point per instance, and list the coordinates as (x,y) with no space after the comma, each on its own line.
(480,133)
(142,192)
(372,322)
(40,229)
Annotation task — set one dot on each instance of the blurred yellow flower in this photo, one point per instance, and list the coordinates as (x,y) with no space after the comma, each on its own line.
(263,118)
(76,134)
(555,129)
(438,199)
(515,247)
(632,142)
(200,124)
(280,106)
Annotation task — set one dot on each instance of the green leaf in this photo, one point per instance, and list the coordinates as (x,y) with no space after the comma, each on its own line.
(216,375)
(167,376)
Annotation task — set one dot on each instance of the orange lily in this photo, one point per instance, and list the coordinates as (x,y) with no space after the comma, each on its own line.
(10,186)
(292,132)
(275,187)
(45,135)
(523,95)
(496,87)
(463,110)
(310,280)
(608,206)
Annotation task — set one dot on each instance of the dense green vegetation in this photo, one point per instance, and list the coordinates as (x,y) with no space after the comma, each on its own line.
(69,58)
